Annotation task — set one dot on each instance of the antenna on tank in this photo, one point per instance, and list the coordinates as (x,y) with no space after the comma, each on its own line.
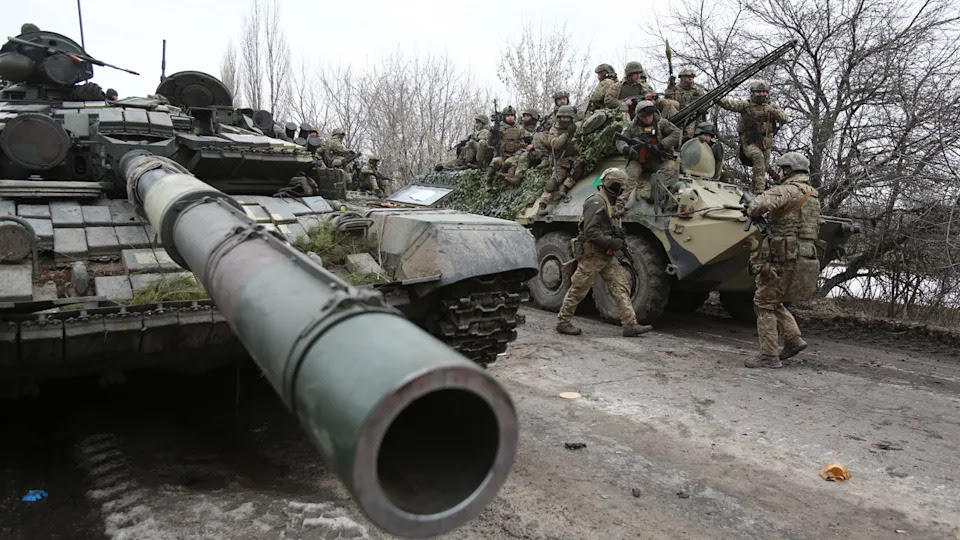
(163,62)
(83,45)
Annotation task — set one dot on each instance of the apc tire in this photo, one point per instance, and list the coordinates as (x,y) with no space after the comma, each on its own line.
(739,305)
(649,283)
(546,288)
(686,301)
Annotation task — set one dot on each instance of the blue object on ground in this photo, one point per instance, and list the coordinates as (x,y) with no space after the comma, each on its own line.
(34,495)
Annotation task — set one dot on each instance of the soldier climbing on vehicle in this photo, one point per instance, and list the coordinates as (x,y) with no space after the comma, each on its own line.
(759,122)
(601,238)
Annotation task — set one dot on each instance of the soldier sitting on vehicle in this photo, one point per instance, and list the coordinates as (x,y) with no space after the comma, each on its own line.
(702,156)
(628,91)
(560,98)
(600,238)
(606,77)
(370,178)
(566,159)
(655,140)
(512,142)
(335,154)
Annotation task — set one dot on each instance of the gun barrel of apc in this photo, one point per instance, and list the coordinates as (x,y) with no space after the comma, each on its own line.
(421,437)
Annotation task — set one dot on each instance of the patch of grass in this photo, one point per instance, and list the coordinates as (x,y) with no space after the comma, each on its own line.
(330,243)
(358,279)
(170,289)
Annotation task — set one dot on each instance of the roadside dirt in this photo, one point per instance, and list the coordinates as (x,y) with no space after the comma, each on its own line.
(680,441)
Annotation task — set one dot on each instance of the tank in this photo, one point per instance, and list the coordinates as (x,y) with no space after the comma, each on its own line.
(87,283)
(691,240)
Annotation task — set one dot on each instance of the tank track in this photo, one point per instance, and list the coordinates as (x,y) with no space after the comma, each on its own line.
(478,316)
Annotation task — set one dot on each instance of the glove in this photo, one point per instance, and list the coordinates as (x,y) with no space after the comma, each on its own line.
(616,244)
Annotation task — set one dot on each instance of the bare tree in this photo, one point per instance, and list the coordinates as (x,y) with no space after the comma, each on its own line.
(228,70)
(542,62)
(265,59)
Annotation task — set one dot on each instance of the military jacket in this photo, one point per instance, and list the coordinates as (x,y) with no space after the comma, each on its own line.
(512,139)
(662,132)
(757,121)
(621,90)
(599,93)
(686,96)
(597,221)
(561,143)
(333,148)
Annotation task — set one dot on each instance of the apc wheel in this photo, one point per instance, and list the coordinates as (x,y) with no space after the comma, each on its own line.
(546,288)
(739,305)
(686,301)
(649,283)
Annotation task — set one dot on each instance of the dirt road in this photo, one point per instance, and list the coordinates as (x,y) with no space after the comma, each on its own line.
(681,441)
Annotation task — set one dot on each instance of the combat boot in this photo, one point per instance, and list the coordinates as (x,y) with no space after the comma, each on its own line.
(792,347)
(635,330)
(568,329)
(763,361)
(542,208)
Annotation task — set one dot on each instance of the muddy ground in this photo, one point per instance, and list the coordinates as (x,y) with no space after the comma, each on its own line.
(681,441)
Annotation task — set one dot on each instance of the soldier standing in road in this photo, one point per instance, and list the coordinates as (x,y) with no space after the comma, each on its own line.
(785,265)
(566,157)
(606,77)
(758,125)
(628,91)
(659,138)
(600,244)
(512,141)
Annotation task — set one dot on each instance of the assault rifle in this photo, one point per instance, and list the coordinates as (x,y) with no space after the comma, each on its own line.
(495,133)
(673,80)
(621,233)
(700,107)
(638,144)
(459,145)
(760,221)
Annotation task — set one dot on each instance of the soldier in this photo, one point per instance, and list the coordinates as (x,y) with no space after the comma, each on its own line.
(469,154)
(687,91)
(560,98)
(758,125)
(112,95)
(785,266)
(658,139)
(512,141)
(629,91)
(600,242)
(566,158)
(606,77)
(369,176)
(335,155)
(529,118)
(702,155)
(28,28)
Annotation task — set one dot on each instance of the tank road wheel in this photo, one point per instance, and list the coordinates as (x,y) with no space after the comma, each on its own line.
(686,301)
(649,283)
(546,288)
(739,305)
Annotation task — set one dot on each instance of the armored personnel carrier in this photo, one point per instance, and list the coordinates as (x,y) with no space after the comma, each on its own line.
(87,284)
(690,240)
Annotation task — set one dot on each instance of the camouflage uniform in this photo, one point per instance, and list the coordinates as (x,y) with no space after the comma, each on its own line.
(551,119)
(368,177)
(785,265)
(532,157)
(470,153)
(686,93)
(643,163)
(512,142)
(565,157)
(607,78)
(630,87)
(598,257)
(702,157)
(334,153)
(758,124)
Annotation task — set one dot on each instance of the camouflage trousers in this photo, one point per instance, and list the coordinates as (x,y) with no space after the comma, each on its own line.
(368,182)
(774,321)
(640,181)
(526,160)
(760,158)
(505,168)
(561,181)
(594,262)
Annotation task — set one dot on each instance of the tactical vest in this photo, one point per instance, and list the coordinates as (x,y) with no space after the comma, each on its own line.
(795,233)
(512,141)
(755,124)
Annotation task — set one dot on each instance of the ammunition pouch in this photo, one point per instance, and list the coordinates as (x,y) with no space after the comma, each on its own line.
(805,275)
(576,248)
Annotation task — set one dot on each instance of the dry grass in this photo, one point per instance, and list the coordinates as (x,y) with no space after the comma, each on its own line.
(170,289)
(331,244)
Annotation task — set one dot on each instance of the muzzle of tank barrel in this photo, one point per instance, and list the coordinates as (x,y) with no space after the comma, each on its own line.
(422,437)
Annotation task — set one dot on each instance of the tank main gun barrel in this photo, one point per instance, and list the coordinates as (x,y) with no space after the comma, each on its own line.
(421,437)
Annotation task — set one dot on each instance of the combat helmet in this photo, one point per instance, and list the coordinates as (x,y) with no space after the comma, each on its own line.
(613,177)
(759,85)
(532,112)
(373,159)
(795,161)
(566,110)
(509,111)
(646,107)
(605,68)
(633,67)
(705,128)
(27,28)
(480,117)
(687,72)
(338,132)
(560,94)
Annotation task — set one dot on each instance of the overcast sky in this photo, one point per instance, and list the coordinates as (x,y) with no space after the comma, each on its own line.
(129,34)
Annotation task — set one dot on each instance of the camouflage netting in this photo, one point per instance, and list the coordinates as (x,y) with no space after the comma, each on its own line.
(506,201)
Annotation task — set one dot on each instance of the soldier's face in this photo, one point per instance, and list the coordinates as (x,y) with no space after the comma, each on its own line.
(646,119)
(687,80)
(633,77)
(510,118)
(527,118)
(561,101)
(707,137)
